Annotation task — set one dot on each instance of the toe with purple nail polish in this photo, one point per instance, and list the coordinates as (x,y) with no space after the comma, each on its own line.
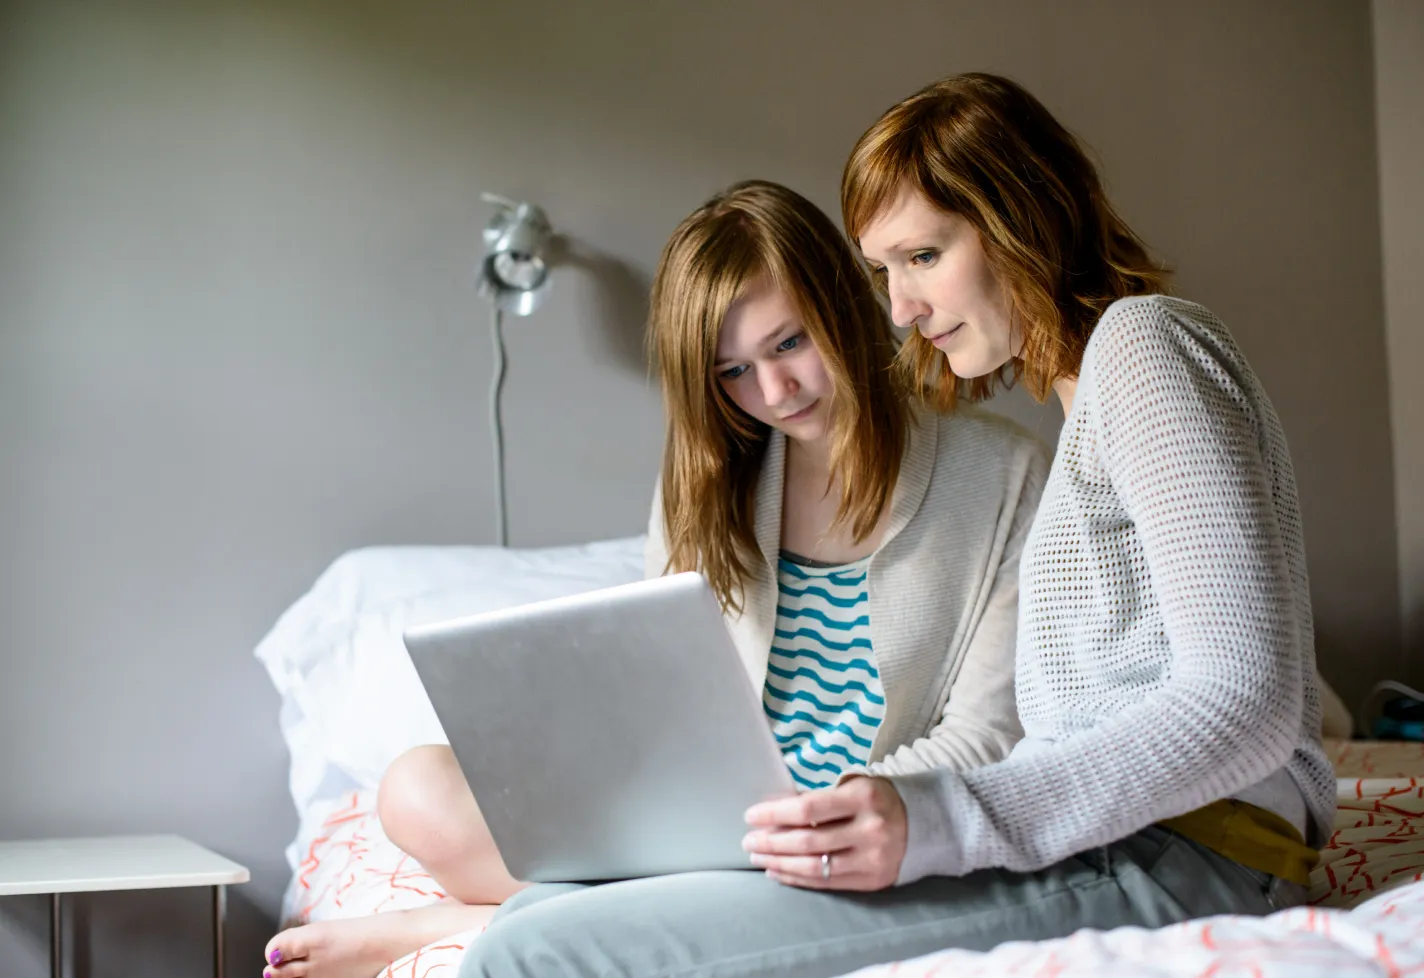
(276,956)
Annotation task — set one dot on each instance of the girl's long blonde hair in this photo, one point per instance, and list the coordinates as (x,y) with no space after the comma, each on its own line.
(714,451)
(982,147)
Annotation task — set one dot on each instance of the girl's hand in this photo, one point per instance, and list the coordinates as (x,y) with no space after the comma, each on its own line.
(860,825)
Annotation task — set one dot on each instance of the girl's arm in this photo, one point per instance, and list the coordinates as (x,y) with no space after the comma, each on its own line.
(980,722)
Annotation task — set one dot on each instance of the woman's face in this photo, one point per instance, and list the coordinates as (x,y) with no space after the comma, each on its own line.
(940,283)
(768,366)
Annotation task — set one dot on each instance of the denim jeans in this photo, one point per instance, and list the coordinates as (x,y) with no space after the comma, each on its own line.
(742,924)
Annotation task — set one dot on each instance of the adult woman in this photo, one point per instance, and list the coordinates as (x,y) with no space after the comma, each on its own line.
(1172,765)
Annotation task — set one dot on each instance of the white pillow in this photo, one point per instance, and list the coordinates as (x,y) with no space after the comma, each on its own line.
(1335,720)
(351,701)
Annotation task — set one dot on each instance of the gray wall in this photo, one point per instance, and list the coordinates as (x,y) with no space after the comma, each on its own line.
(1399,83)
(239,334)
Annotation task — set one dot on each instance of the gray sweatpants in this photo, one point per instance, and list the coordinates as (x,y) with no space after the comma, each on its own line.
(722,924)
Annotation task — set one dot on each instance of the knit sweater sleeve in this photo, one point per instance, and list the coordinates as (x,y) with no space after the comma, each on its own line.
(1180,441)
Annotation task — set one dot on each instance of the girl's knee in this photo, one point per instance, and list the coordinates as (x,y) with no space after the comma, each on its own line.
(421,795)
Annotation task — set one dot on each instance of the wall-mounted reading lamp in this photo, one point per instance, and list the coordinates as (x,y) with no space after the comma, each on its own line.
(514,276)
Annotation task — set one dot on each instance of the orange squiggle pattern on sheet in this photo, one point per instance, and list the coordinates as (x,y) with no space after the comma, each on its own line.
(350,869)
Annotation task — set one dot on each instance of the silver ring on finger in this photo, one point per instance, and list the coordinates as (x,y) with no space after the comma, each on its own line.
(825,865)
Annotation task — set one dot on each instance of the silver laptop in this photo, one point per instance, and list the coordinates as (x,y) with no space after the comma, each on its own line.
(606,735)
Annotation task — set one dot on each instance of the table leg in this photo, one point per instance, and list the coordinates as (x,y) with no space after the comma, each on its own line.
(56,954)
(219,926)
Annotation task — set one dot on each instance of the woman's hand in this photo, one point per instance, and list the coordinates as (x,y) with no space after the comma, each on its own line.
(860,825)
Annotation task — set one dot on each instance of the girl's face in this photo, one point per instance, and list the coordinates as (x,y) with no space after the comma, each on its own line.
(940,283)
(768,367)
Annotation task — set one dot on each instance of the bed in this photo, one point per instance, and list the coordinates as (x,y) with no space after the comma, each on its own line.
(351,703)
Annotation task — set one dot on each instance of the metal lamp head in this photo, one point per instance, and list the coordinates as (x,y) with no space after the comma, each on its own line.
(514,273)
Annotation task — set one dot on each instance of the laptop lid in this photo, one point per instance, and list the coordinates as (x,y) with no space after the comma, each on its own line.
(605,735)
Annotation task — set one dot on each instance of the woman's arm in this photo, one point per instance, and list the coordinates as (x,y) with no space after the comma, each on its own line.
(1179,436)
(980,722)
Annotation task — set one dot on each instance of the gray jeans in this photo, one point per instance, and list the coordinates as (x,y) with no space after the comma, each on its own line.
(722,924)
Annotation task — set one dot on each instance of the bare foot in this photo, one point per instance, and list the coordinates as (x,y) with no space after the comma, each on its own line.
(362,946)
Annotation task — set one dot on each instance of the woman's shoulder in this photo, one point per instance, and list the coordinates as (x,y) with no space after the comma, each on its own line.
(1162,342)
(1137,325)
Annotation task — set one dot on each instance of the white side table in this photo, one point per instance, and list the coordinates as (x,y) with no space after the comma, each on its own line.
(129,862)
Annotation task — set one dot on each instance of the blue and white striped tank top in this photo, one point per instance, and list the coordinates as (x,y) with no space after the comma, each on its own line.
(823,692)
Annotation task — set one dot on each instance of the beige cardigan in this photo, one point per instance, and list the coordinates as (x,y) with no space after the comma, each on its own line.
(943,588)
